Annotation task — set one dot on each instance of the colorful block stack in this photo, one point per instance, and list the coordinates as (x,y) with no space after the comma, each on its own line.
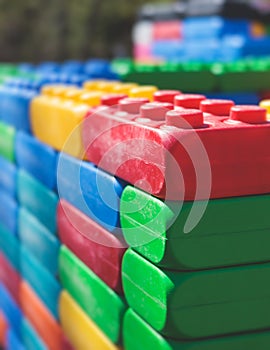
(180,179)
(196,275)
(196,30)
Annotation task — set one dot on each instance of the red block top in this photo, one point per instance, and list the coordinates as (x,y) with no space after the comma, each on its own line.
(219,150)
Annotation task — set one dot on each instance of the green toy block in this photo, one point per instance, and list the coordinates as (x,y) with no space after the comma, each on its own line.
(97,300)
(232,231)
(189,77)
(192,305)
(139,335)
(38,199)
(246,76)
(7,140)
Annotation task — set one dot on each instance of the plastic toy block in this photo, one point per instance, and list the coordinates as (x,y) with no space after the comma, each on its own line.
(266,104)
(146,91)
(97,300)
(8,177)
(7,142)
(98,249)
(124,88)
(43,283)
(66,344)
(240,98)
(9,277)
(14,107)
(245,76)
(10,247)
(157,231)
(185,305)
(10,309)
(38,159)
(3,329)
(101,85)
(111,99)
(146,338)
(13,341)
(40,318)
(38,199)
(30,337)
(91,190)
(82,332)
(8,212)
(38,240)
(166,95)
(56,116)
(178,157)
(188,77)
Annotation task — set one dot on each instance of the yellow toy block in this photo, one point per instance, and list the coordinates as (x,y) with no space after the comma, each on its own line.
(106,86)
(124,88)
(266,104)
(56,116)
(146,91)
(79,329)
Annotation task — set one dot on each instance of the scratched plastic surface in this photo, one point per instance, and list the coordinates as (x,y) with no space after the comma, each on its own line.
(101,251)
(157,230)
(38,159)
(164,151)
(98,301)
(192,305)
(82,332)
(146,338)
(91,190)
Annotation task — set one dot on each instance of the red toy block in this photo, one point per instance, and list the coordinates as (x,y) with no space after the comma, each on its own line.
(175,154)
(100,250)
(189,100)
(10,278)
(167,30)
(166,95)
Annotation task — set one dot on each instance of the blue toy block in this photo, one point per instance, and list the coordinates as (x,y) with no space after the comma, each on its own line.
(8,181)
(42,282)
(91,190)
(240,98)
(48,67)
(99,68)
(31,339)
(10,247)
(11,310)
(38,240)
(8,212)
(77,79)
(14,106)
(37,158)
(13,342)
(72,66)
(38,199)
